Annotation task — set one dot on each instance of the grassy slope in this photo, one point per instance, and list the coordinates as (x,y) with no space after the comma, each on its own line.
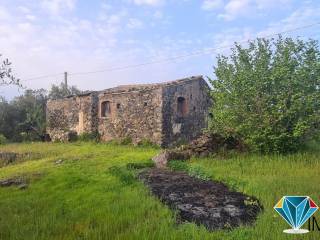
(80,199)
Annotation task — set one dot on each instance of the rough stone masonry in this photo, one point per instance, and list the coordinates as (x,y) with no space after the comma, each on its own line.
(165,114)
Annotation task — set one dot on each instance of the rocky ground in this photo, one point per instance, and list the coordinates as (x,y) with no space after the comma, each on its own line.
(20,182)
(8,158)
(203,146)
(207,203)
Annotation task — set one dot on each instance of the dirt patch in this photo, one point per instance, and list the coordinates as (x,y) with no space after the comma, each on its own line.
(207,203)
(8,158)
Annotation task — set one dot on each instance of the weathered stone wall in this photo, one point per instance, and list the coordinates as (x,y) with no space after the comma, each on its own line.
(151,112)
(134,113)
(73,115)
(178,128)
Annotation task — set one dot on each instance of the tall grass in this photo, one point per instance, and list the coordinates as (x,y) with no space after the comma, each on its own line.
(79,197)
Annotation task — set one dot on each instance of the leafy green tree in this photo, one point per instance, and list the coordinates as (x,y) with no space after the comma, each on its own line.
(9,119)
(3,139)
(61,91)
(32,111)
(268,94)
(24,118)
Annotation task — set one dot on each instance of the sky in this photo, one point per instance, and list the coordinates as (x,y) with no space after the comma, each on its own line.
(49,37)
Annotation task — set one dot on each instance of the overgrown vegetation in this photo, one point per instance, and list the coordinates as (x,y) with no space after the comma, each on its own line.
(193,170)
(80,199)
(268,94)
(24,118)
(62,90)
(3,139)
(125,176)
(88,137)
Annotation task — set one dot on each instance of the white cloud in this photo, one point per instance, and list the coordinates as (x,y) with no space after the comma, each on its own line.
(265,4)
(134,23)
(4,14)
(56,6)
(233,9)
(300,17)
(30,17)
(24,9)
(149,2)
(77,44)
(158,15)
(211,4)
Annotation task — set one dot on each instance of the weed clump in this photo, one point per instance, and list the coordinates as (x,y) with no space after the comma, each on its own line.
(193,171)
(89,137)
(125,176)
(140,165)
(178,165)
(3,139)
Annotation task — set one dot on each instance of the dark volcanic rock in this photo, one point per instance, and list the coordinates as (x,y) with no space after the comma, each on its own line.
(207,203)
(12,182)
(21,182)
(8,158)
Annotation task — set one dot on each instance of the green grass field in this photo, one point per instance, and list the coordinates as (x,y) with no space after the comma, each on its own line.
(82,199)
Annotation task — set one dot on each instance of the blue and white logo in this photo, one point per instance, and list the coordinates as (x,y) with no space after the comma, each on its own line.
(296,210)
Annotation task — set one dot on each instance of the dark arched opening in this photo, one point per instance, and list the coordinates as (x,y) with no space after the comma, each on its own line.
(105,109)
(182,108)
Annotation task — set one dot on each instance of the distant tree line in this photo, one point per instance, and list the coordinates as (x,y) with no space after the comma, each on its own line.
(24,117)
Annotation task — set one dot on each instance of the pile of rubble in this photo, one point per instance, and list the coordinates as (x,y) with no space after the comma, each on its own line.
(7,158)
(203,146)
(20,182)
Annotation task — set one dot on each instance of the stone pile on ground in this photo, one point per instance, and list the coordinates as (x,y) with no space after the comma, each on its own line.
(203,146)
(22,181)
(207,203)
(18,181)
(7,158)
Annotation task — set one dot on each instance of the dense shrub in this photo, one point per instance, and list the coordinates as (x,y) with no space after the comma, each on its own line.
(3,139)
(178,165)
(125,176)
(24,118)
(268,94)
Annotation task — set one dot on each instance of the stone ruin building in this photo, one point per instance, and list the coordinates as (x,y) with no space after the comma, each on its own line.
(165,114)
